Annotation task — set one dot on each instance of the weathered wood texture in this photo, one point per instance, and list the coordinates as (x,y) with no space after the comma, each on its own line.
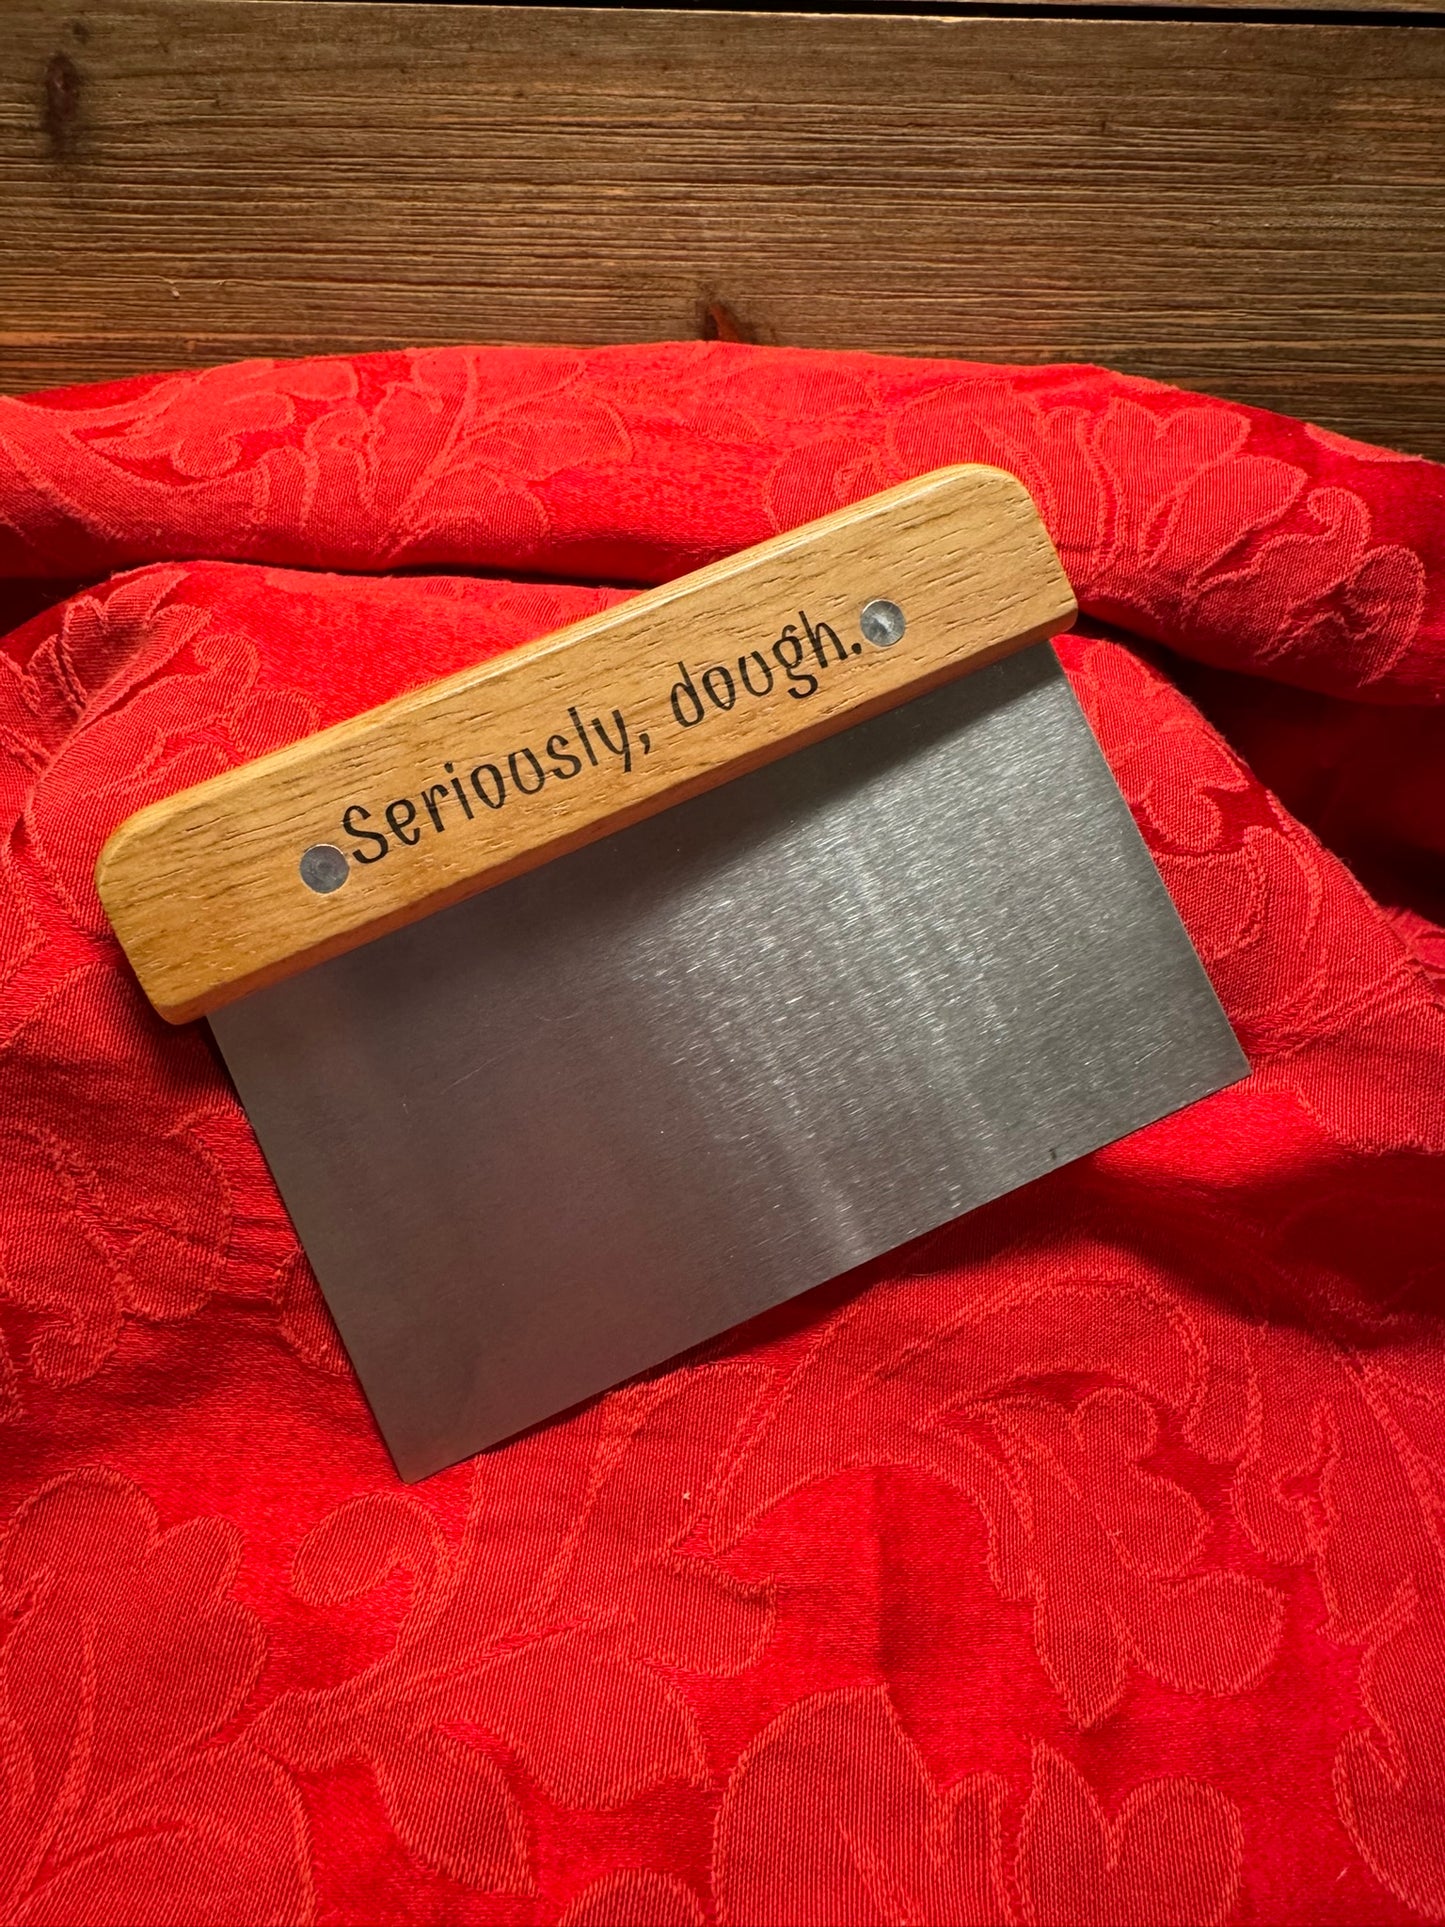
(1193,7)
(1253,209)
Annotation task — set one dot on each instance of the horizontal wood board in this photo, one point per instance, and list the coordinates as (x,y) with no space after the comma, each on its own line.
(1195,8)
(1253,209)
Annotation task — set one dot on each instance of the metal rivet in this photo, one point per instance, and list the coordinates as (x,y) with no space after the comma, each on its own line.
(324,868)
(882,622)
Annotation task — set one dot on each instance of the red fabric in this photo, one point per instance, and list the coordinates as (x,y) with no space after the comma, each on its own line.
(1081,1563)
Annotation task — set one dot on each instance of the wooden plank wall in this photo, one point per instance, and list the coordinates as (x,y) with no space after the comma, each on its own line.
(1254,207)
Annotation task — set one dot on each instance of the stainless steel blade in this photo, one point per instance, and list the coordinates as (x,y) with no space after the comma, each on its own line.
(556,1134)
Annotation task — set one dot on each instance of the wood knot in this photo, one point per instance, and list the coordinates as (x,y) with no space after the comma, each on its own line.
(716,321)
(60,115)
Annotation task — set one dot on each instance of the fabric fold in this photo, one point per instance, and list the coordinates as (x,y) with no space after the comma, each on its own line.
(1082,1562)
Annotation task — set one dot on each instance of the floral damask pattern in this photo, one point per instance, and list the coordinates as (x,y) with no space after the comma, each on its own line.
(129,694)
(1081,1563)
(125,1658)
(551,1628)
(832,1815)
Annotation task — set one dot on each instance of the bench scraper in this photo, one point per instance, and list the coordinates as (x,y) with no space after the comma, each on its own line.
(595,999)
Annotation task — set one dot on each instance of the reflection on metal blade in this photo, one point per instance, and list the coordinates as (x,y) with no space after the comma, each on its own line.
(556,1134)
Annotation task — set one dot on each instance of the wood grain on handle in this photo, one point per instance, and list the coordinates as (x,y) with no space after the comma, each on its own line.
(457,786)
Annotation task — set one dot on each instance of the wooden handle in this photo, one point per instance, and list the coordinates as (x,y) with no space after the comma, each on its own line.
(366,826)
